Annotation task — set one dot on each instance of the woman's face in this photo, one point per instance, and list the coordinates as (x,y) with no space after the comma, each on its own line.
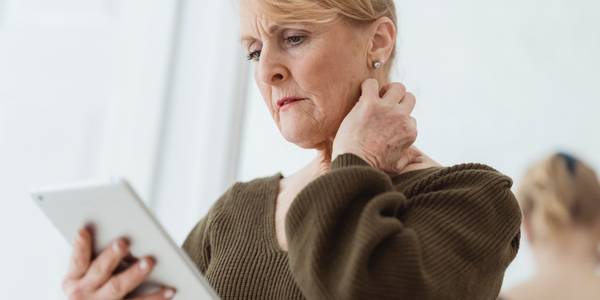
(323,64)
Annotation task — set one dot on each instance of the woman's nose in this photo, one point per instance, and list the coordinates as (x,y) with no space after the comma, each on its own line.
(272,69)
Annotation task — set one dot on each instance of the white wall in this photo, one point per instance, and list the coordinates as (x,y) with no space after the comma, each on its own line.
(502,83)
(48,125)
(72,75)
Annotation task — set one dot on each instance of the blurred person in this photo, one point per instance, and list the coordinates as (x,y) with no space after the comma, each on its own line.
(372,216)
(560,199)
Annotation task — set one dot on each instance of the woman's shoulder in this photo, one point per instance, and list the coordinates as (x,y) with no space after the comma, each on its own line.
(475,186)
(567,286)
(476,172)
(529,289)
(434,176)
(243,193)
(258,184)
(426,168)
(255,188)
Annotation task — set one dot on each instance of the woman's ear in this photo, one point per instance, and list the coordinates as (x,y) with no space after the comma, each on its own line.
(382,40)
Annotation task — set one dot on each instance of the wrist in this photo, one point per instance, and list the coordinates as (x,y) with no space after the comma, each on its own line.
(351,148)
(348,160)
(339,152)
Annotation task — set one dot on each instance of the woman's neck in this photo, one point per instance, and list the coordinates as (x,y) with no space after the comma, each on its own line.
(321,163)
(315,168)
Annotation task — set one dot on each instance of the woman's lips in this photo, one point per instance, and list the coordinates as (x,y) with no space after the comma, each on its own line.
(283,102)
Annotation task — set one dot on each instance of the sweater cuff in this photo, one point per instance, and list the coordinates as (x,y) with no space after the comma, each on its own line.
(348,160)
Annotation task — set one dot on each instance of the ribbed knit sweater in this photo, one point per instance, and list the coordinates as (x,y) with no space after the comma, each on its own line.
(357,233)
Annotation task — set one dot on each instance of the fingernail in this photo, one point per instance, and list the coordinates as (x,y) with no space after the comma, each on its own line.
(80,234)
(78,238)
(169,294)
(116,247)
(144,264)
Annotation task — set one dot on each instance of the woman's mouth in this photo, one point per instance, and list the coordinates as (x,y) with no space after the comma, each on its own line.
(287,101)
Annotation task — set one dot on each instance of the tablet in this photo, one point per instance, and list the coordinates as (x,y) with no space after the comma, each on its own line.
(113,210)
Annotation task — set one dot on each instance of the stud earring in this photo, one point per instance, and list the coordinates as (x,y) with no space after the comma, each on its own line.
(377,64)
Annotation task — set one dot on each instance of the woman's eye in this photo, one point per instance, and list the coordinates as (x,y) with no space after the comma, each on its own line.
(292,40)
(295,40)
(254,55)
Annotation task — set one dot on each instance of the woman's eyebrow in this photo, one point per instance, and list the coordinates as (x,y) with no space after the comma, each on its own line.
(249,39)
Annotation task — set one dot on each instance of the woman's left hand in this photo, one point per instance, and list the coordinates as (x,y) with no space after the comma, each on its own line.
(380,129)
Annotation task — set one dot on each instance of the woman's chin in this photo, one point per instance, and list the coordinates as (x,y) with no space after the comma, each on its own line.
(301,137)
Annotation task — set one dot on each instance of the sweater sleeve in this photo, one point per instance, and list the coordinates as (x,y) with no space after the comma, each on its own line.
(351,235)
(197,245)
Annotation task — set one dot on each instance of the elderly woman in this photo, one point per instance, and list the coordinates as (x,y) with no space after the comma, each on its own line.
(371,217)
(560,198)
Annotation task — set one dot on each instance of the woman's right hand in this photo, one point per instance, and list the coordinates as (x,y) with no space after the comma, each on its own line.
(380,128)
(94,280)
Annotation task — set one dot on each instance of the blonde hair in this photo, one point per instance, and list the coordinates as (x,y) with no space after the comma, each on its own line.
(325,11)
(560,190)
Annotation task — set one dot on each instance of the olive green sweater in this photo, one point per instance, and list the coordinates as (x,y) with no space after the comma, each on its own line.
(356,233)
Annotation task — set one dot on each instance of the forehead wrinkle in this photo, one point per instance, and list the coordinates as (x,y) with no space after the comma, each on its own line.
(262,26)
